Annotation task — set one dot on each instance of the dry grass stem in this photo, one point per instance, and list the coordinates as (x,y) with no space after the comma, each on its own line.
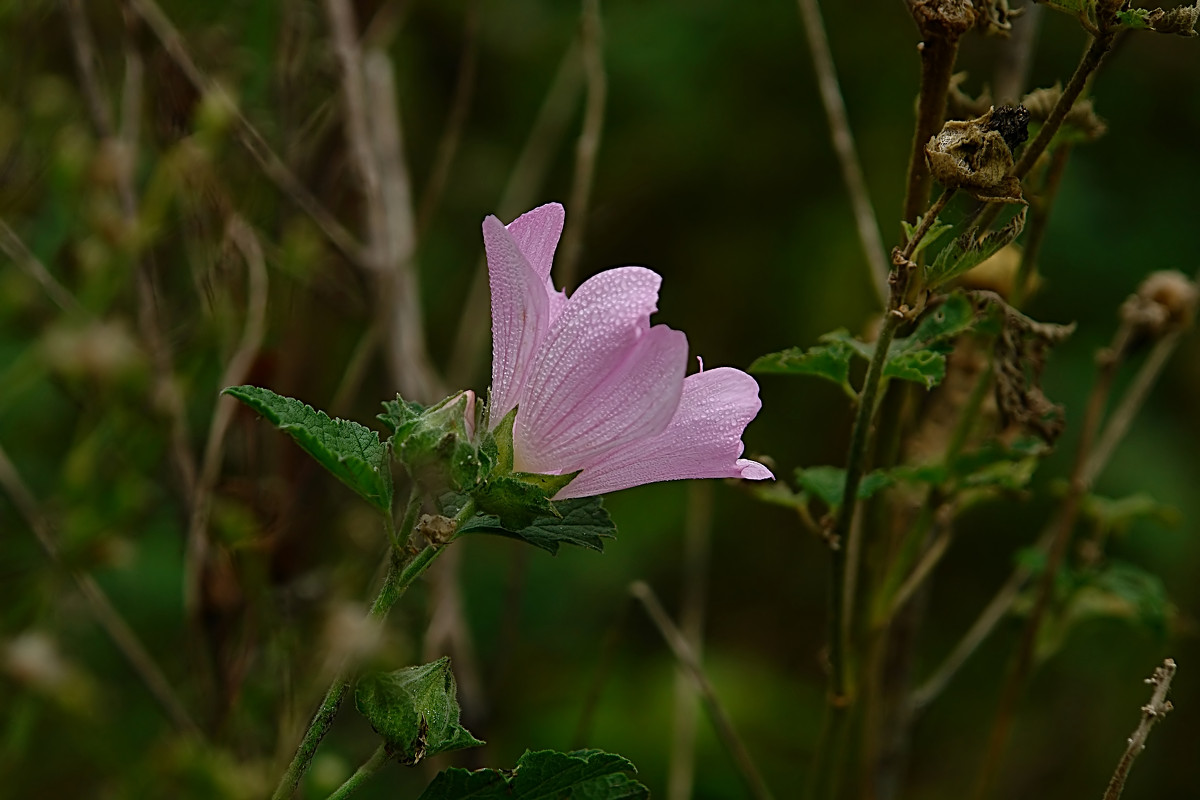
(237,369)
(592,50)
(524,182)
(15,249)
(716,711)
(106,614)
(271,164)
(843,145)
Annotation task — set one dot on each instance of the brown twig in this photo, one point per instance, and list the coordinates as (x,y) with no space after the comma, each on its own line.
(15,249)
(697,536)
(101,607)
(84,46)
(464,89)
(527,176)
(1061,528)
(843,145)
(270,163)
(687,658)
(938,54)
(592,49)
(1152,712)
(236,371)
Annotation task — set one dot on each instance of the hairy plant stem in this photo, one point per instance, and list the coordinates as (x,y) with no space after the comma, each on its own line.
(1078,486)
(400,575)
(369,767)
(938,54)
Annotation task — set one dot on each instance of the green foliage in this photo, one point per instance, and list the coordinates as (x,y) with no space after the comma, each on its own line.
(415,710)
(1180,21)
(828,484)
(581,521)
(544,775)
(919,357)
(930,236)
(968,251)
(433,443)
(352,452)
(830,361)
(994,465)
(1115,515)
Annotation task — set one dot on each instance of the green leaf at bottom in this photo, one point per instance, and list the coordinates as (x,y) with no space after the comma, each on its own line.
(581,521)
(543,775)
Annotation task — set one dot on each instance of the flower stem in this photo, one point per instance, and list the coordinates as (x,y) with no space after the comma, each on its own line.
(400,576)
(372,765)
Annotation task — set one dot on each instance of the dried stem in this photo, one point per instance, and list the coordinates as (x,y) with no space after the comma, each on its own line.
(15,249)
(716,712)
(1061,528)
(526,178)
(938,54)
(242,236)
(592,50)
(84,46)
(843,145)
(697,536)
(447,148)
(270,163)
(1152,712)
(110,619)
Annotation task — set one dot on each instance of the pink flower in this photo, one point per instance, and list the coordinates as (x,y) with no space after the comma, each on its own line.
(597,387)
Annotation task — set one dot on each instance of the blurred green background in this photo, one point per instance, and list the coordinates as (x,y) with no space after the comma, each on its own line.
(714,169)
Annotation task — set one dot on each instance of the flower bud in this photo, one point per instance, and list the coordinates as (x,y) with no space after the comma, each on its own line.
(437,444)
(1164,303)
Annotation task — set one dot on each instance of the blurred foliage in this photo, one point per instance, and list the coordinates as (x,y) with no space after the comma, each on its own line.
(715,169)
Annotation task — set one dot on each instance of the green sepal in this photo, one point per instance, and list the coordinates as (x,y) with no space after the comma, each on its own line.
(497,444)
(353,453)
(542,775)
(415,710)
(433,443)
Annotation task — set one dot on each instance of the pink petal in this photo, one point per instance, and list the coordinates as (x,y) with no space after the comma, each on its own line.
(536,233)
(703,440)
(520,316)
(602,376)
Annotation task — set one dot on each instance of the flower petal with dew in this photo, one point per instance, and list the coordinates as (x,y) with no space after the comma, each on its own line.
(597,387)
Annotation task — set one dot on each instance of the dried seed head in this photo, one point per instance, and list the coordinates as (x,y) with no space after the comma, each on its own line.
(977,154)
(1082,123)
(1165,302)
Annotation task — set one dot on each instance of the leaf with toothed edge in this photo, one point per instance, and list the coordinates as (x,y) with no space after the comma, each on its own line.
(353,453)
(544,775)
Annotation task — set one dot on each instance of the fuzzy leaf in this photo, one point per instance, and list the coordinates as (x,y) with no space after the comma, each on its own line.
(415,710)
(352,452)
(966,251)
(1180,21)
(580,521)
(830,361)
(932,235)
(828,484)
(544,775)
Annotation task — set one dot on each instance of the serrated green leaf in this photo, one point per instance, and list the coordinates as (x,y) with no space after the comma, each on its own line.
(966,251)
(415,710)
(351,452)
(581,521)
(544,775)
(921,366)
(399,414)
(828,484)
(1117,514)
(932,235)
(1180,20)
(829,361)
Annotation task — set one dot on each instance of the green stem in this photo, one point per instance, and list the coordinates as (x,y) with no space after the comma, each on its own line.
(400,576)
(360,776)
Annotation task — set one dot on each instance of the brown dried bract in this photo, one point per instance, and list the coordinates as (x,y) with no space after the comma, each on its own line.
(1020,356)
(977,154)
(1082,118)
(1165,302)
